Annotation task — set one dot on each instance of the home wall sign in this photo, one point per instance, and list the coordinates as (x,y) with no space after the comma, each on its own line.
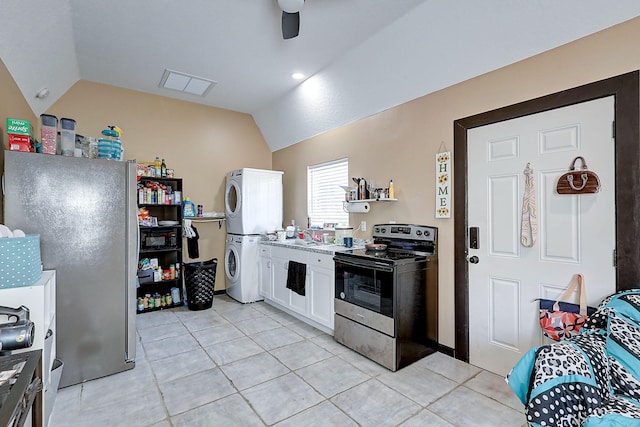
(443,184)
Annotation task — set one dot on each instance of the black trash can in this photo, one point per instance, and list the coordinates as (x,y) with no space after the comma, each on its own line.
(199,280)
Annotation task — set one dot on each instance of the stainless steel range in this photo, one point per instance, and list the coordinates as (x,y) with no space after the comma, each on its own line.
(386,301)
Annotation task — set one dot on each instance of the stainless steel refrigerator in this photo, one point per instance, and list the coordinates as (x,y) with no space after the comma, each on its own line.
(85,213)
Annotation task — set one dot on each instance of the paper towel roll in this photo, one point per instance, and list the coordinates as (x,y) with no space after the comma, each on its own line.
(359,207)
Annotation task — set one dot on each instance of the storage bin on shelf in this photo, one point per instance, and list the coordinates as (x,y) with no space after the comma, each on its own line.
(20,263)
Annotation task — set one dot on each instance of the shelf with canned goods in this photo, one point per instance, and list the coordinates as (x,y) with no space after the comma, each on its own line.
(165,307)
(160,243)
(159,250)
(177,281)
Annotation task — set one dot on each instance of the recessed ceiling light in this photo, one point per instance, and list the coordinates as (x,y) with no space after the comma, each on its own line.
(297,76)
(183,82)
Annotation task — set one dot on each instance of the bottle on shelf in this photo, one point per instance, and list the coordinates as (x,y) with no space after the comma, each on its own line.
(392,191)
(188,208)
(157,165)
(361,189)
(163,169)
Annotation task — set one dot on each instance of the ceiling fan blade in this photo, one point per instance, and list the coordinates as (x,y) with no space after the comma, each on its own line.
(290,25)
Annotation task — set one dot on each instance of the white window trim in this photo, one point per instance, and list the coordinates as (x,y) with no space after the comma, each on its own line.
(324,199)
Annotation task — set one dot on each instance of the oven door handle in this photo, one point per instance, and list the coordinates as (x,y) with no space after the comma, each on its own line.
(364,264)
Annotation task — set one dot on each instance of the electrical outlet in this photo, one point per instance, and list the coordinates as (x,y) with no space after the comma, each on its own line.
(363,225)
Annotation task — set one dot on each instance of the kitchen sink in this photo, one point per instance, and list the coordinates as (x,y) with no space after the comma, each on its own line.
(299,242)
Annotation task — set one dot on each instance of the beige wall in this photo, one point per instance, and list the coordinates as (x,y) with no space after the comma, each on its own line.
(400,143)
(203,143)
(12,104)
(200,143)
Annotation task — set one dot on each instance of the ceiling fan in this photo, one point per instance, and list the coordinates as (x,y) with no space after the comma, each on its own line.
(290,17)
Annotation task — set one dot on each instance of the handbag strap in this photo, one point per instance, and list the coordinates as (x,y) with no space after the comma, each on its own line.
(573,163)
(576,282)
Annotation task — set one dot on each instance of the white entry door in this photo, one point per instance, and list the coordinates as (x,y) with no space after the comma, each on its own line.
(576,233)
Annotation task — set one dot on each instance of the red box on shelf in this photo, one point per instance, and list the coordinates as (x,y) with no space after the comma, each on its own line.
(18,142)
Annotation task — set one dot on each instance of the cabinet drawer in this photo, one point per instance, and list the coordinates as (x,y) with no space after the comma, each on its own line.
(290,254)
(264,251)
(320,260)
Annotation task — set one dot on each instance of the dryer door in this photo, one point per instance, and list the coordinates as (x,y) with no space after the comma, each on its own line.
(232,263)
(232,199)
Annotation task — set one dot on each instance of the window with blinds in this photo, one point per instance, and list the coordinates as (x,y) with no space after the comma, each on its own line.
(324,192)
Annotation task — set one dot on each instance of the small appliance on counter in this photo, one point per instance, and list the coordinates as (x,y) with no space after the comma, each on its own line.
(341,232)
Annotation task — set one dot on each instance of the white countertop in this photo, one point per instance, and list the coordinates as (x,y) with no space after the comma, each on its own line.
(311,247)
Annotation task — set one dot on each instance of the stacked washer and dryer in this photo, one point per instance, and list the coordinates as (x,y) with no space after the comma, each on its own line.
(253,206)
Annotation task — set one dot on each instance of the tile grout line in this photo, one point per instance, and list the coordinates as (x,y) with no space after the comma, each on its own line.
(306,338)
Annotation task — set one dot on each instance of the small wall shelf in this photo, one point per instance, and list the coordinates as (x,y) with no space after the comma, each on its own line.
(362,206)
(204,219)
(371,200)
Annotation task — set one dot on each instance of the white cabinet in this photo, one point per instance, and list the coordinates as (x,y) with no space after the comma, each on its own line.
(297,302)
(40,299)
(266,276)
(321,288)
(280,292)
(316,306)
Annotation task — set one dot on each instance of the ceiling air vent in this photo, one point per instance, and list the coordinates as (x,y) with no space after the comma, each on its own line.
(187,83)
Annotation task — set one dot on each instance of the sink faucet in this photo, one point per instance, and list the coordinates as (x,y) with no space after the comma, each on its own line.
(307,233)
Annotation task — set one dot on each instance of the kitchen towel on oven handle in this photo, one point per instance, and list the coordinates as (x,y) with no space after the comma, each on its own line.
(296,276)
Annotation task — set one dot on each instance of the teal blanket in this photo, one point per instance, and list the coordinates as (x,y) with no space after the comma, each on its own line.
(592,379)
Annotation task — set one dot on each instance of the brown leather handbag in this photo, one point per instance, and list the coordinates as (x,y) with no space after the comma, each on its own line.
(581,181)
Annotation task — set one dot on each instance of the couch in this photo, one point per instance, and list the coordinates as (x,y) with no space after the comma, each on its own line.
(591,379)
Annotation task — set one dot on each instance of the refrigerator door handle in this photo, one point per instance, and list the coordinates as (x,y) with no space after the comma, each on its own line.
(132,262)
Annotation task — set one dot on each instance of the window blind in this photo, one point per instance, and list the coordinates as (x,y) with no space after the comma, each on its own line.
(324,194)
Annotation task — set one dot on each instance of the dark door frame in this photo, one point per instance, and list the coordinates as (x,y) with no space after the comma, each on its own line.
(625,88)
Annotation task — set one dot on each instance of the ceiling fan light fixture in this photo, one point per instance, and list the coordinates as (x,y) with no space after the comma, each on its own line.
(42,93)
(291,6)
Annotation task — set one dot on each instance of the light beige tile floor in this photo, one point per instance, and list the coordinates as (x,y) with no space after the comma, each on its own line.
(253,365)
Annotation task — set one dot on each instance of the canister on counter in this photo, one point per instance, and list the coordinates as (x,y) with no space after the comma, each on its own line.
(48,133)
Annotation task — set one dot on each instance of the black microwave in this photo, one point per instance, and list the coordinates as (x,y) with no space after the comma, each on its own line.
(158,239)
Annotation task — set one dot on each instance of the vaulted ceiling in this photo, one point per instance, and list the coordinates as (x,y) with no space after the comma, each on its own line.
(359,57)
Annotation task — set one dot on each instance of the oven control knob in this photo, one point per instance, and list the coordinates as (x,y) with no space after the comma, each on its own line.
(376,229)
(342,295)
(418,233)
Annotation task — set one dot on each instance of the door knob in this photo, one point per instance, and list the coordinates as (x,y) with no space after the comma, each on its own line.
(474,259)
